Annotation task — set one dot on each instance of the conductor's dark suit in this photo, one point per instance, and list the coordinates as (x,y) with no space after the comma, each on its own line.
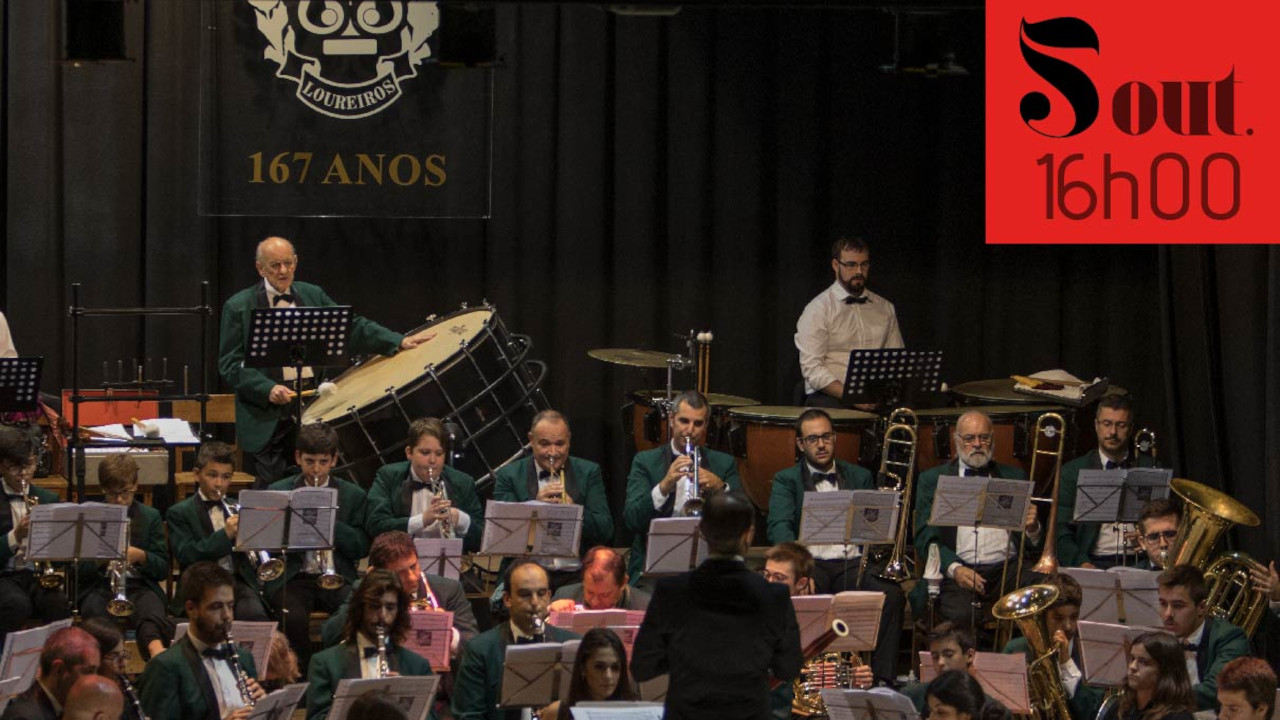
(720,631)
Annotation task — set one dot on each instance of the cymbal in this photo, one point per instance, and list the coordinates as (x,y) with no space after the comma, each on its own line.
(634,358)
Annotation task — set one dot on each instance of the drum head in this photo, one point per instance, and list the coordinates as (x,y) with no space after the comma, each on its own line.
(787,414)
(362,386)
(718,400)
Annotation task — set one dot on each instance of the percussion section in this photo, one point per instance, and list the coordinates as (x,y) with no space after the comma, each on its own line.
(474,375)
(648,421)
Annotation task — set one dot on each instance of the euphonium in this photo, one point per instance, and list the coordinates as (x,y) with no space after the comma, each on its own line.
(1232,595)
(266,567)
(1207,514)
(384,669)
(693,494)
(119,605)
(1027,607)
(49,579)
(242,678)
(821,670)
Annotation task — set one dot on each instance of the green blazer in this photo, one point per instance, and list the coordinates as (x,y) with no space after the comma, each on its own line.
(787,498)
(915,692)
(256,416)
(1220,643)
(343,662)
(518,482)
(944,537)
(146,531)
(350,543)
(647,470)
(6,518)
(175,685)
(391,501)
(1075,540)
(192,539)
(478,680)
(1084,705)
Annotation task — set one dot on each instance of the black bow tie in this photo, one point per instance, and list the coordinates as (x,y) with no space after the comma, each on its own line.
(211,504)
(370,652)
(824,477)
(544,475)
(282,298)
(222,652)
(528,640)
(1112,464)
(980,472)
(1191,647)
(859,300)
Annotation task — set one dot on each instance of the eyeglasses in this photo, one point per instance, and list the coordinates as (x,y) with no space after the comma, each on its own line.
(984,439)
(118,658)
(122,494)
(851,265)
(1109,424)
(278,264)
(1155,537)
(826,438)
(774,577)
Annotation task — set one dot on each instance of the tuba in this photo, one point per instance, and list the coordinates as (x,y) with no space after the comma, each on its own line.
(821,670)
(1027,608)
(1207,514)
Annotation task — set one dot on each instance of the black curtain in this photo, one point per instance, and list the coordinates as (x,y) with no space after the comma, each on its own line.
(650,175)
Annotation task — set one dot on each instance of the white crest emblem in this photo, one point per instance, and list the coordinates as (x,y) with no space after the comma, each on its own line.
(348,57)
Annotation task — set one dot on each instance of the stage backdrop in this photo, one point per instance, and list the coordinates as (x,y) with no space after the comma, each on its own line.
(651,175)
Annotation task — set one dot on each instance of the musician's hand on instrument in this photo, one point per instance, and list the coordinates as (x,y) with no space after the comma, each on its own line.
(863,678)
(709,482)
(1064,647)
(412,341)
(969,579)
(1031,521)
(280,395)
(550,712)
(562,605)
(24,526)
(135,555)
(240,714)
(232,526)
(255,690)
(550,492)
(1266,580)
(678,469)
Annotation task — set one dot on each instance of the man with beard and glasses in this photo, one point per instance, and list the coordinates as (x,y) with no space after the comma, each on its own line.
(196,679)
(846,316)
(973,560)
(1093,544)
(836,566)
(378,613)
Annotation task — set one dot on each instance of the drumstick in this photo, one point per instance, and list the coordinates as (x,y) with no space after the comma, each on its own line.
(148,429)
(326,388)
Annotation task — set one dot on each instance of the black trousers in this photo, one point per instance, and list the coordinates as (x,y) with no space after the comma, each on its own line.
(833,576)
(22,600)
(273,461)
(149,621)
(969,609)
(300,597)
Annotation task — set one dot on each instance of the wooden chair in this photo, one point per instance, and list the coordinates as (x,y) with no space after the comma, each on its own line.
(221,410)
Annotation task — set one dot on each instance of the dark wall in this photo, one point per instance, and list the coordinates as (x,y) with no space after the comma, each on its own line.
(649,176)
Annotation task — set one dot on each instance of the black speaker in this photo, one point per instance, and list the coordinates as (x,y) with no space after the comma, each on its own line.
(94,29)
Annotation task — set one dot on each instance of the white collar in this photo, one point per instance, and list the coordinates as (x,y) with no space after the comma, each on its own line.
(1195,637)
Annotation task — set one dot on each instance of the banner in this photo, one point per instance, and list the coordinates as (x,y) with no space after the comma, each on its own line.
(338,107)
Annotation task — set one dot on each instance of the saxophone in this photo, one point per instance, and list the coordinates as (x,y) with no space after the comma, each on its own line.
(242,678)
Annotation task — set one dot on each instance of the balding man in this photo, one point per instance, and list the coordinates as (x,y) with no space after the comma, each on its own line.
(69,654)
(94,697)
(604,585)
(264,427)
(972,559)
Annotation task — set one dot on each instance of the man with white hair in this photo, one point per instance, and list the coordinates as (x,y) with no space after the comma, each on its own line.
(264,427)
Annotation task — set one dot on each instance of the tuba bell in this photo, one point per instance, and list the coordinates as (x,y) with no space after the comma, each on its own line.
(1027,608)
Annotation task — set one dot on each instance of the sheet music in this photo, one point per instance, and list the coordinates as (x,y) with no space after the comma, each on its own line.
(1143,485)
(531,675)
(824,517)
(1004,677)
(430,635)
(672,547)
(252,636)
(875,516)
(1006,503)
(813,615)
(627,634)
(22,649)
(580,621)
(874,704)
(313,514)
(617,711)
(1140,592)
(440,556)
(557,529)
(53,531)
(280,704)
(1098,495)
(860,610)
(957,500)
(568,654)
(1103,651)
(1098,590)
(413,694)
(262,519)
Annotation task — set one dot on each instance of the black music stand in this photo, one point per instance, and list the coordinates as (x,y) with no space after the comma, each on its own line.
(299,337)
(891,378)
(20,383)
(1117,496)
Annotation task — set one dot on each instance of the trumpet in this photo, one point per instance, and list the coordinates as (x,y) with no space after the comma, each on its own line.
(557,475)
(1144,444)
(119,605)
(49,579)
(539,627)
(384,668)
(266,567)
(693,501)
(435,485)
(242,678)
(329,578)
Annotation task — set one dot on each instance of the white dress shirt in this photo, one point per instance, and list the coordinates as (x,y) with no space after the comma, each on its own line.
(218,519)
(987,546)
(831,552)
(18,511)
(289,373)
(422,501)
(681,491)
(829,328)
(7,349)
(221,677)
(1195,638)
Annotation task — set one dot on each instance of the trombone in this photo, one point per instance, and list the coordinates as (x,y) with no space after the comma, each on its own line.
(899,435)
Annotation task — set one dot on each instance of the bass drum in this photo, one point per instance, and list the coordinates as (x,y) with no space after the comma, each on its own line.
(649,425)
(763,438)
(472,374)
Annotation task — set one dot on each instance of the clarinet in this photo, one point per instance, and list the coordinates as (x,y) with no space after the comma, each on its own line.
(242,678)
(132,695)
